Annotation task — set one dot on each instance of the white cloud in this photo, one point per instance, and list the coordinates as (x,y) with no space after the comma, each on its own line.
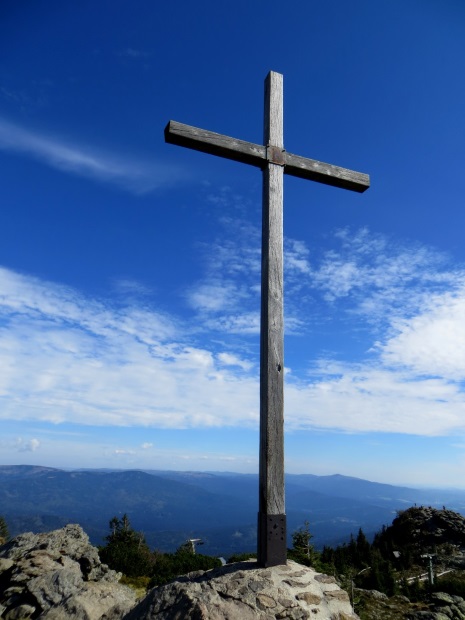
(31,299)
(245,323)
(30,445)
(69,358)
(215,296)
(229,359)
(139,177)
(364,398)
(380,276)
(131,288)
(296,258)
(93,451)
(433,341)
(227,298)
(131,52)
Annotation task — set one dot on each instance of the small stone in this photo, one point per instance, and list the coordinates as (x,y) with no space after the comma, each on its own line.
(457,614)
(400,598)
(325,578)
(5,564)
(195,573)
(296,584)
(442,598)
(338,595)
(299,573)
(309,598)
(12,590)
(374,594)
(265,602)
(22,612)
(256,586)
(293,614)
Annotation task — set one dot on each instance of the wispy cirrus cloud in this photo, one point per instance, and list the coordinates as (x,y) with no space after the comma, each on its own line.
(362,274)
(132,52)
(227,297)
(136,176)
(378,276)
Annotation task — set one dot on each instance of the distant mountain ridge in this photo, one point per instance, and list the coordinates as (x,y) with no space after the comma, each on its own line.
(220,508)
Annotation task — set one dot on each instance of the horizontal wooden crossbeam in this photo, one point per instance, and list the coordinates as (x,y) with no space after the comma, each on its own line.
(259,155)
(326,173)
(215,144)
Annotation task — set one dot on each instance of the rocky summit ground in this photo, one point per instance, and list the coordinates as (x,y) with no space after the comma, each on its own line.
(59,575)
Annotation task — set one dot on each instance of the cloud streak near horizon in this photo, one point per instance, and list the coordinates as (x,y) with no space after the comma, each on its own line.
(137,177)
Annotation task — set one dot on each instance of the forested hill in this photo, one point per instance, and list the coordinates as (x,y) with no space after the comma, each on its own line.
(220,508)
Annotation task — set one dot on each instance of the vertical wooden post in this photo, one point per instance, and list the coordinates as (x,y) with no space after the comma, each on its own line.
(274,162)
(271,515)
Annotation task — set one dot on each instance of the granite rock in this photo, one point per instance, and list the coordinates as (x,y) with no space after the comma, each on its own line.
(243,591)
(59,575)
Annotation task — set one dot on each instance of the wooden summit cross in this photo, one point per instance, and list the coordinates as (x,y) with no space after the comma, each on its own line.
(274,162)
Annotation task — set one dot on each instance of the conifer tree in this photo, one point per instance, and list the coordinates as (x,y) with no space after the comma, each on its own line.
(302,550)
(363,549)
(4,534)
(126,551)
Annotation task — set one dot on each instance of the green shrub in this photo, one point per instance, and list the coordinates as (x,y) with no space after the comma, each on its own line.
(168,566)
(140,585)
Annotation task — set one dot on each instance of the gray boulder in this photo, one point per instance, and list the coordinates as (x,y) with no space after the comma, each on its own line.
(59,575)
(243,591)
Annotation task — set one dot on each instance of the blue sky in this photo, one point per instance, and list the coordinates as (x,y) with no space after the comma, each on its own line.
(130,269)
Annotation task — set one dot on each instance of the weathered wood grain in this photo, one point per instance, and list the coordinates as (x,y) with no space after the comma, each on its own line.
(314,170)
(215,144)
(272,548)
(273,116)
